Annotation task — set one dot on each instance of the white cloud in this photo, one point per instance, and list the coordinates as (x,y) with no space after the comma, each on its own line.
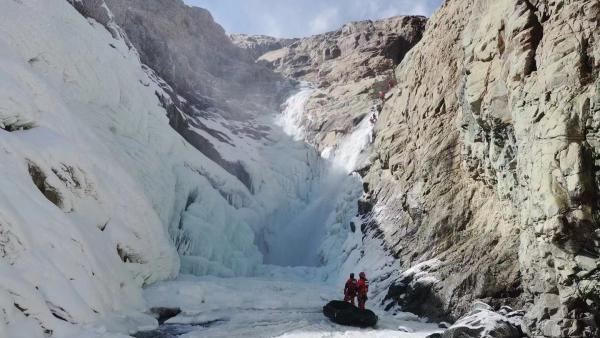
(297,18)
(326,20)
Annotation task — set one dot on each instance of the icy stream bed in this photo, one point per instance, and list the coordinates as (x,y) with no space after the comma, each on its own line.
(263,307)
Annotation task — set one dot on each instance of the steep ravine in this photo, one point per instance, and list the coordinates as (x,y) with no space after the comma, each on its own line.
(140,142)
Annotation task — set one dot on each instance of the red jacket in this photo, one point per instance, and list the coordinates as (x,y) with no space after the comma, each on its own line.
(363,287)
(350,288)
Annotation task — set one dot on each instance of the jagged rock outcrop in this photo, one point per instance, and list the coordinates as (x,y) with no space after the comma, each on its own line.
(349,66)
(485,159)
(258,45)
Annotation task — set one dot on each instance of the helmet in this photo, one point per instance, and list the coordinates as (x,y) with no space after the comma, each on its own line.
(352,275)
(362,275)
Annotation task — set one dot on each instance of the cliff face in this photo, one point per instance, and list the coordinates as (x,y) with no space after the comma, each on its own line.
(484,163)
(424,203)
(205,75)
(486,159)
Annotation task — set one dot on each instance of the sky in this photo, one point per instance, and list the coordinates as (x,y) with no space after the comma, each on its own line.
(300,18)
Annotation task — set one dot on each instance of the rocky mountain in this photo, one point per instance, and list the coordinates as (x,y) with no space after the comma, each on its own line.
(257,45)
(349,66)
(483,170)
(194,55)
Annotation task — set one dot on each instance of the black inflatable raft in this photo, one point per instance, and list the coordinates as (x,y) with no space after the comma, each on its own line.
(345,313)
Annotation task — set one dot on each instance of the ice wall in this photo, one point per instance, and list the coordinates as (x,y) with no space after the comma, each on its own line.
(91,175)
(314,234)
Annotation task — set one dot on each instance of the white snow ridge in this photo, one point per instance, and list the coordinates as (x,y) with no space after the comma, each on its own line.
(106,211)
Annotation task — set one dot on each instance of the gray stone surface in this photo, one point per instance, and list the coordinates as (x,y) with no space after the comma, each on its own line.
(193,55)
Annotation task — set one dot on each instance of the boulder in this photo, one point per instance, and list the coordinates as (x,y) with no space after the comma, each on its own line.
(345,313)
(482,322)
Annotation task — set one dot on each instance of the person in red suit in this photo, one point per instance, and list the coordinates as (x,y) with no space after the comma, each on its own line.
(363,290)
(350,289)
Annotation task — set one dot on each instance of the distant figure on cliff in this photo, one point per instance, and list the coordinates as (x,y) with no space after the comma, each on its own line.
(363,289)
(350,289)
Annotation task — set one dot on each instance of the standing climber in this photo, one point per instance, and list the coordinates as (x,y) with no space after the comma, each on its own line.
(350,289)
(363,289)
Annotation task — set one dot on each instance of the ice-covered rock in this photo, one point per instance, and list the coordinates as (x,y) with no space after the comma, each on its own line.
(482,322)
(258,45)
(98,190)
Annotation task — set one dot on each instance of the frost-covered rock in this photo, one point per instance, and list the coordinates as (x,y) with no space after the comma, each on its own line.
(258,45)
(482,322)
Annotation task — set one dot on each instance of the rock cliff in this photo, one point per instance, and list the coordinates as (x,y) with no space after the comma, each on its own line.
(485,158)
(204,74)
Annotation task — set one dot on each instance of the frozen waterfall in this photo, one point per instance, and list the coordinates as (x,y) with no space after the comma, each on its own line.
(306,236)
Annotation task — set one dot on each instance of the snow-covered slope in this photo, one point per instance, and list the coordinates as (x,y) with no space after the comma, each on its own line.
(92,174)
